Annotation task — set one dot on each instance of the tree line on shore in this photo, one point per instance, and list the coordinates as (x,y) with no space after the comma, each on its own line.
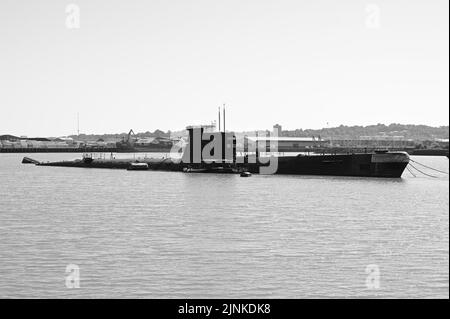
(407,131)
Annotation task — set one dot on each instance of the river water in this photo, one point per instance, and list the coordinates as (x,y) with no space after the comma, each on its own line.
(176,235)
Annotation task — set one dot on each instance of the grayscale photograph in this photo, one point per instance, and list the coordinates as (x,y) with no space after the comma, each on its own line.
(224,155)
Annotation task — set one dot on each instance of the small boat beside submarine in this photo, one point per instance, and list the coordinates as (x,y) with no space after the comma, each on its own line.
(137,167)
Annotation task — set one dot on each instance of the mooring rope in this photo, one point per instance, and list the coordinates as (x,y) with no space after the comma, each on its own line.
(422,171)
(409,170)
(434,169)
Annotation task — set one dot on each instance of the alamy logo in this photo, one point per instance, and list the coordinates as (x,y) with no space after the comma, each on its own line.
(73,16)
(373,277)
(373,16)
(216,147)
(73,276)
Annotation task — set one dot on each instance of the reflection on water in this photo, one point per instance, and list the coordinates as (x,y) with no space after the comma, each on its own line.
(169,234)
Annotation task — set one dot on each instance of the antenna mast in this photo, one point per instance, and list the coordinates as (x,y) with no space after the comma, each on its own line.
(219,118)
(224,118)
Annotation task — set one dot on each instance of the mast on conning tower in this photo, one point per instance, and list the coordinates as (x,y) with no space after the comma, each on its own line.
(219,118)
(224,118)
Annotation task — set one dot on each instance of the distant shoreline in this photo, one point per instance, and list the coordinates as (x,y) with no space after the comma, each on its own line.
(416,152)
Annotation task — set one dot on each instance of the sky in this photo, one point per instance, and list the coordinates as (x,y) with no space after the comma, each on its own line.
(166,64)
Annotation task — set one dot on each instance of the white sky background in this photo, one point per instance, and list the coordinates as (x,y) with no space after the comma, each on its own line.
(167,64)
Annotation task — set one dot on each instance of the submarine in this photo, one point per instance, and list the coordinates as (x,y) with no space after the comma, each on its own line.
(215,152)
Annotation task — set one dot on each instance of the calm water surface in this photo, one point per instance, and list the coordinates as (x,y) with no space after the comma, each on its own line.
(169,234)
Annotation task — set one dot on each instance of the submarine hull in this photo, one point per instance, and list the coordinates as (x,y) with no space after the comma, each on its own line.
(390,165)
(364,165)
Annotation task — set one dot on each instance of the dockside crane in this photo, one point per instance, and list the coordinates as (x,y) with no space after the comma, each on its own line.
(129,135)
(128,140)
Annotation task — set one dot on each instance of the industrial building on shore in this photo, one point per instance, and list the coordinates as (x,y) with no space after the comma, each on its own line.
(10,142)
(260,140)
